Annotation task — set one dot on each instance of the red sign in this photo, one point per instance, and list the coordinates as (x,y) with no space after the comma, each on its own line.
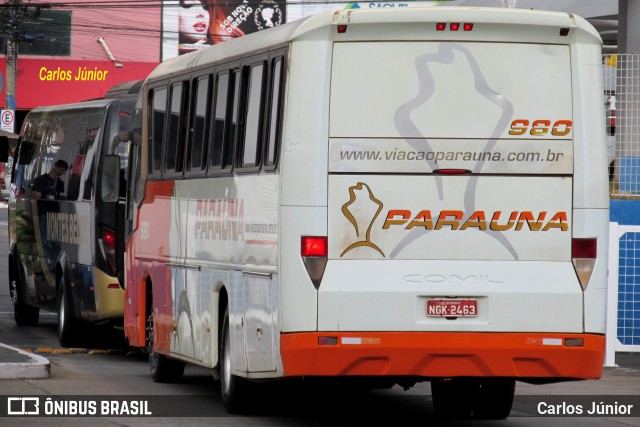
(43,82)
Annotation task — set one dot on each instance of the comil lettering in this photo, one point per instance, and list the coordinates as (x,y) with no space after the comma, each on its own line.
(480,220)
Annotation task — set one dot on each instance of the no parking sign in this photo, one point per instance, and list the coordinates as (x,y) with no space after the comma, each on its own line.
(7,120)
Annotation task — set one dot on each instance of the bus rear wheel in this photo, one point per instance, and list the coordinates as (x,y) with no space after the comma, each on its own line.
(235,390)
(453,398)
(494,399)
(162,368)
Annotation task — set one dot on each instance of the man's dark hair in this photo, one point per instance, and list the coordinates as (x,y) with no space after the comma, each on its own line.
(61,164)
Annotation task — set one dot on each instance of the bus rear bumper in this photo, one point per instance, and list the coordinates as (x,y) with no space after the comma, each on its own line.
(443,354)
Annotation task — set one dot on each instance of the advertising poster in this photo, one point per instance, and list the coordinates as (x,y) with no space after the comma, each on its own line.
(189,25)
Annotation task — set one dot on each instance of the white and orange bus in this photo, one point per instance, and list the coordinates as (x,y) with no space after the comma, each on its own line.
(395,196)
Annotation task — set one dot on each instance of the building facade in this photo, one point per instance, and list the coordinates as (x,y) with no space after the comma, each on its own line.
(74,50)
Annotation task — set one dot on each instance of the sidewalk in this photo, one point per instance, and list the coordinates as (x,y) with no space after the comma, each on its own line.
(18,364)
(628,360)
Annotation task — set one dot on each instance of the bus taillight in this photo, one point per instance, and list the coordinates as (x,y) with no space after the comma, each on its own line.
(314,246)
(109,237)
(454,26)
(314,252)
(108,244)
(583,256)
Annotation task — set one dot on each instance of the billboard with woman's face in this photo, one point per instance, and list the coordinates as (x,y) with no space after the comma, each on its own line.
(189,25)
(193,25)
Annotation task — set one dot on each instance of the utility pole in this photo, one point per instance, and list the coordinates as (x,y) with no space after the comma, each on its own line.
(11,45)
(13,17)
(12,32)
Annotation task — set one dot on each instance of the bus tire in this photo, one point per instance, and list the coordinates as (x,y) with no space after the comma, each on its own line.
(234,390)
(68,326)
(494,399)
(453,399)
(162,368)
(23,313)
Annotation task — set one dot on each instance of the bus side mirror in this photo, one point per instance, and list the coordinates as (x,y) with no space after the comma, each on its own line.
(4,149)
(110,188)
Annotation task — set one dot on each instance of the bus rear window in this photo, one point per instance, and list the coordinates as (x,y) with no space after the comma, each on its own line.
(454,90)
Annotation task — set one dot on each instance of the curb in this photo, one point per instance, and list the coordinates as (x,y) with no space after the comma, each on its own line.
(38,367)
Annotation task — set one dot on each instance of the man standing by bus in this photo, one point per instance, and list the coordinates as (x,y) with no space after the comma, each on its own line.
(49,185)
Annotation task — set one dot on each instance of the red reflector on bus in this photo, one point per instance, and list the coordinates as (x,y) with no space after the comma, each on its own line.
(440,26)
(574,342)
(564,31)
(314,246)
(342,29)
(454,26)
(113,286)
(327,340)
(584,248)
(467,26)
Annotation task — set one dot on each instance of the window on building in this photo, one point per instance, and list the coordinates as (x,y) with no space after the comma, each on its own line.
(47,35)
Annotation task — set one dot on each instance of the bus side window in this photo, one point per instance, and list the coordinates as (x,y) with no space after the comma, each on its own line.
(198,132)
(159,106)
(249,142)
(231,126)
(225,118)
(77,169)
(32,152)
(219,119)
(274,119)
(51,134)
(174,143)
(45,161)
(24,166)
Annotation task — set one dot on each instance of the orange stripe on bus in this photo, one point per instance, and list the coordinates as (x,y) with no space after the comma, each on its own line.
(443,354)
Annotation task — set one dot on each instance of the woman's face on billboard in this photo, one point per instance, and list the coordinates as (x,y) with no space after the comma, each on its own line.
(193,21)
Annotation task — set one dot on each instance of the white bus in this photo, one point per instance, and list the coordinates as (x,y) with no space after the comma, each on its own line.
(391,196)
